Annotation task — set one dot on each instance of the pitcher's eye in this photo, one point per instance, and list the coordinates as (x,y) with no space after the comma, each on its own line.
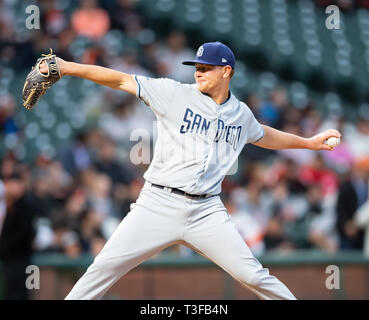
(202,69)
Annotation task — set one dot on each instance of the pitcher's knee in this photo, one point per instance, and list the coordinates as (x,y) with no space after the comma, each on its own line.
(250,278)
(253,280)
(105,266)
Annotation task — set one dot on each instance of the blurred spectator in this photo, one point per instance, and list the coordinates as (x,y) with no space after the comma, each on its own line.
(41,192)
(249,229)
(298,222)
(117,124)
(107,163)
(9,57)
(300,156)
(125,196)
(319,172)
(6,21)
(8,166)
(317,223)
(311,121)
(253,200)
(148,56)
(100,200)
(130,125)
(322,231)
(285,170)
(75,157)
(292,178)
(275,236)
(94,140)
(2,205)
(7,115)
(171,55)
(65,240)
(253,171)
(59,179)
(291,116)
(89,20)
(55,19)
(95,54)
(126,17)
(99,195)
(65,38)
(42,42)
(75,206)
(352,195)
(271,110)
(361,218)
(358,140)
(91,238)
(341,158)
(127,62)
(16,237)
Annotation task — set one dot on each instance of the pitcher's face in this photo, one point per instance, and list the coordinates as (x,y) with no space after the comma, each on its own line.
(208,76)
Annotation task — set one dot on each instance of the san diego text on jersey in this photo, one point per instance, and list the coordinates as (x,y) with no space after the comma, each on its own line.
(196,123)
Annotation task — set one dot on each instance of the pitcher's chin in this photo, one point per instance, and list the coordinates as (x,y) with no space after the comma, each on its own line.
(201,87)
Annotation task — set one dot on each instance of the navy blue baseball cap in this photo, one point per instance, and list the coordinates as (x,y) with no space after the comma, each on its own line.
(213,53)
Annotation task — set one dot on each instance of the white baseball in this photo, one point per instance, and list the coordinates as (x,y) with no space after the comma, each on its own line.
(333,141)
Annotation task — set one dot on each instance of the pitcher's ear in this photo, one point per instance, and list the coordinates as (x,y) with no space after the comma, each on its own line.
(228,71)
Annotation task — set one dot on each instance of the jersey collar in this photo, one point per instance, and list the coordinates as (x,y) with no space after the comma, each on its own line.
(230,96)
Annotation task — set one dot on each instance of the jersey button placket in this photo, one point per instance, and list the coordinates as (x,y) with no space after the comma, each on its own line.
(212,133)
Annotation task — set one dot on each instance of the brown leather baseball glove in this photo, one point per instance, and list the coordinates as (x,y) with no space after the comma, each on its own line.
(37,83)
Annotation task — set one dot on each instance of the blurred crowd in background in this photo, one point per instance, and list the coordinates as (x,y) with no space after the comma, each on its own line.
(72,202)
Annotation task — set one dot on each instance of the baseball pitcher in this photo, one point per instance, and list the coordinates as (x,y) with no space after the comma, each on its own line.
(202,129)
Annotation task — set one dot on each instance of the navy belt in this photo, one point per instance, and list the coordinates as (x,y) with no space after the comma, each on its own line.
(182,193)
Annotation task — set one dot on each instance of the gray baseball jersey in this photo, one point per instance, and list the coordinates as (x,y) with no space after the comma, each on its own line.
(198,140)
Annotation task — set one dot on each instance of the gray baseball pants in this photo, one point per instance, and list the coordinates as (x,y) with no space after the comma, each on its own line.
(160,219)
